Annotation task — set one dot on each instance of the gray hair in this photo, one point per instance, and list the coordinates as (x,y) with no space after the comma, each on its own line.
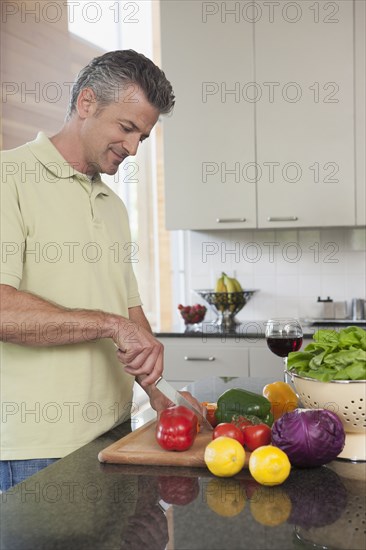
(108,74)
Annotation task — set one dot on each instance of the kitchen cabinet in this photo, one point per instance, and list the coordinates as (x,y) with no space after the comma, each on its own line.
(262,134)
(305,120)
(188,359)
(360,111)
(208,141)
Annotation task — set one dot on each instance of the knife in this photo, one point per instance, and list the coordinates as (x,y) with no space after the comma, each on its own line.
(173,395)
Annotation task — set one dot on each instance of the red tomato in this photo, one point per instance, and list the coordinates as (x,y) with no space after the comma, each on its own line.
(241,422)
(256,436)
(228,430)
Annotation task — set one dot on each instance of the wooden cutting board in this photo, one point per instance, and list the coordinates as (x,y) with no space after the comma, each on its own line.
(140,447)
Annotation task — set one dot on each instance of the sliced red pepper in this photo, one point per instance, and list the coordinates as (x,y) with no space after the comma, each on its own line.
(211,408)
(176,428)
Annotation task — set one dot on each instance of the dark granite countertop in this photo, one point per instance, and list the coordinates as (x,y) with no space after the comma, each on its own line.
(248,329)
(244,330)
(78,503)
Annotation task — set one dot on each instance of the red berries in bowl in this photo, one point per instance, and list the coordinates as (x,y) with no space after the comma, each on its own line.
(192,314)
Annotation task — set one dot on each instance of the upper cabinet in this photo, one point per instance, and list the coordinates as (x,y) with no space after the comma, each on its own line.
(305,117)
(263,132)
(360,113)
(208,141)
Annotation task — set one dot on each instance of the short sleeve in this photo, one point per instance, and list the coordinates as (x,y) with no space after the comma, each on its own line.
(133,292)
(12,232)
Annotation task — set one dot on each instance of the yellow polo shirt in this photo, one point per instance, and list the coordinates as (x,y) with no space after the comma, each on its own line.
(66,239)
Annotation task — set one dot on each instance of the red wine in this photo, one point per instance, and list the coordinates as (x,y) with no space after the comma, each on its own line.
(283,346)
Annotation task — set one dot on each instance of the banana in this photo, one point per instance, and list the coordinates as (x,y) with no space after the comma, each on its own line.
(227,284)
(232,284)
(220,285)
(237,285)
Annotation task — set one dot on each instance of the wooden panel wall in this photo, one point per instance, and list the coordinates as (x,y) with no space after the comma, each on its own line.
(39,61)
(165,267)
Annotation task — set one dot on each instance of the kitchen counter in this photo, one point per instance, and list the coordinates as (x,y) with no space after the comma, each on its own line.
(250,329)
(78,503)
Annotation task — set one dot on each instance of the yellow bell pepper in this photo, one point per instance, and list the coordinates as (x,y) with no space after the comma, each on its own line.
(282,397)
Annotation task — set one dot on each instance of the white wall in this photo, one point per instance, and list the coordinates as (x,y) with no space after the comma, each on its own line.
(290,268)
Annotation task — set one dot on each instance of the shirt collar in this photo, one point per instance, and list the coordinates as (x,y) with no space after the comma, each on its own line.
(47,154)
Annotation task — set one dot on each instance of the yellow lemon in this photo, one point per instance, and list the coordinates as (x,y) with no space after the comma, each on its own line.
(269,465)
(224,457)
(271,506)
(225,497)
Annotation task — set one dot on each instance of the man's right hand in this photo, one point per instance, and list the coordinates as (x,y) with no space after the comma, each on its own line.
(139,351)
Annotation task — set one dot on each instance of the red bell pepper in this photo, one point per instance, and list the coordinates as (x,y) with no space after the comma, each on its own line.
(178,490)
(176,428)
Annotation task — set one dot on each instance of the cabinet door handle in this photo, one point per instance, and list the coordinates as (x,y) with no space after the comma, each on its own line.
(230,220)
(282,219)
(211,358)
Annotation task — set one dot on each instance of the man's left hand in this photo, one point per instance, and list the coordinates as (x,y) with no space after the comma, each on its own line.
(159,401)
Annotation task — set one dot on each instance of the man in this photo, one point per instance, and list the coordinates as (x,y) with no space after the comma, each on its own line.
(74,335)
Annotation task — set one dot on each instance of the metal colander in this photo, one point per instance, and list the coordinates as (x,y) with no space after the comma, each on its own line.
(347,399)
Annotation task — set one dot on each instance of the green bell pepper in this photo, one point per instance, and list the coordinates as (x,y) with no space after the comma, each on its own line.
(237,401)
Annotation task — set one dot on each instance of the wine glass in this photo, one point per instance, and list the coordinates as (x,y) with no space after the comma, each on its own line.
(282,336)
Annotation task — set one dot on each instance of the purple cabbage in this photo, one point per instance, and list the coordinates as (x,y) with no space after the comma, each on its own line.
(309,437)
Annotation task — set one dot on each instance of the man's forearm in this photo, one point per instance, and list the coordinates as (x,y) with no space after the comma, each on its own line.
(27,319)
(137,315)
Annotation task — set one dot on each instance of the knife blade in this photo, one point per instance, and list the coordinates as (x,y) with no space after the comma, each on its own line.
(177,398)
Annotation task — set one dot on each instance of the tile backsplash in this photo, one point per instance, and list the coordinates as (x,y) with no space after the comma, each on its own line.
(290,268)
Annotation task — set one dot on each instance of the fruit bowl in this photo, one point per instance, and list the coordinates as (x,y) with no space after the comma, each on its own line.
(346,398)
(192,315)
(226,305)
